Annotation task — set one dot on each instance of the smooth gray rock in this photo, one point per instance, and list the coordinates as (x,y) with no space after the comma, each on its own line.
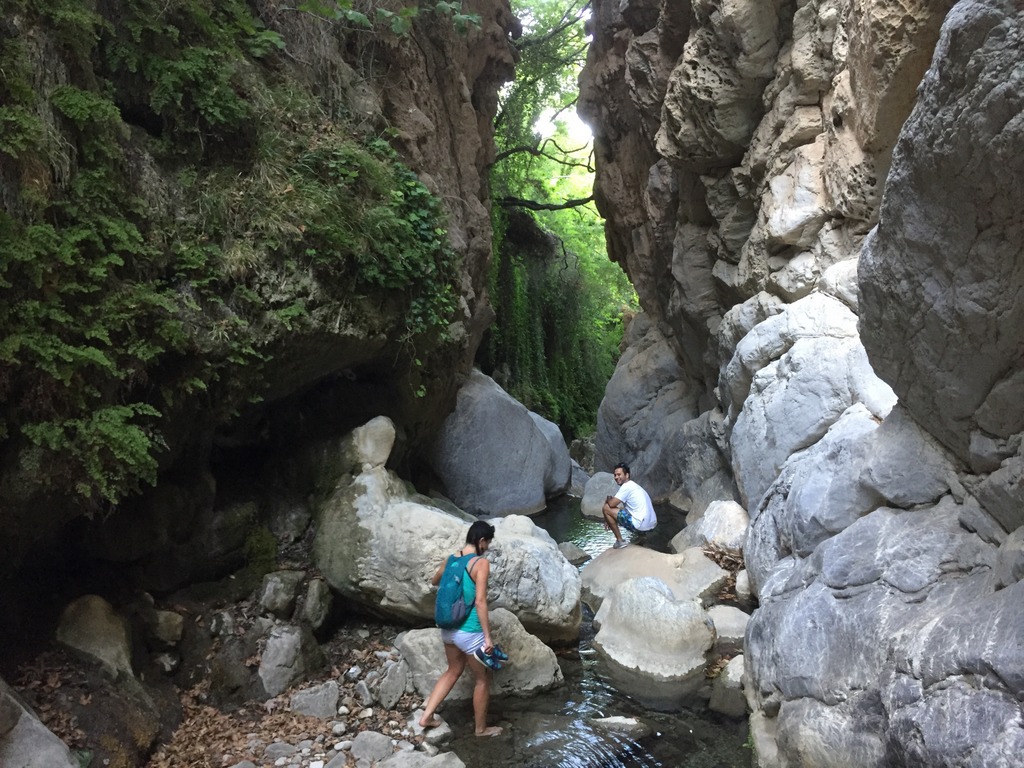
(379,545)
(691,575)
(279,592)
(629,726)
(486,434)
(420,760)
(317,605)
(730,628)
(813,317)
(91,626)
(819,492)
(792,404)
(531,578)
(599,487)
(435,736)
(27,743)
(896,590)
(370,747)
(897,443)
(940,275)
(532,665)
(578,480)
(727,695)
(662,640)
(291,653)
(573,553)
(558,477)
(723,524)
(646,403)
(318,701)
(1010,566)
(393,684)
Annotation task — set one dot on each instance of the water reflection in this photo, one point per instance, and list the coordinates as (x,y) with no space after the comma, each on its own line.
(557,729)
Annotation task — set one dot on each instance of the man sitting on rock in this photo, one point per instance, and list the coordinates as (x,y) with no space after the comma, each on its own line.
(635,511)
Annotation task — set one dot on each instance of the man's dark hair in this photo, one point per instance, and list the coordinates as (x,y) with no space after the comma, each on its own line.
(623,466)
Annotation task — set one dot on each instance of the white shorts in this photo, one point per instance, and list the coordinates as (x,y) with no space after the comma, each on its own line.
(467,642)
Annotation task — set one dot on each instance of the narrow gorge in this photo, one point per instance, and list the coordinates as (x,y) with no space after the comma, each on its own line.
(240,407)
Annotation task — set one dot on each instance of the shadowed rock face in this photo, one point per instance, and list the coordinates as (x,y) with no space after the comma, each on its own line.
(941,276)
(881,533)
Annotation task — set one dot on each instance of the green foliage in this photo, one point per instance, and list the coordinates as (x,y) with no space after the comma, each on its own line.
(187,61)
(559,303)
(110,444)
(19,130)
(83,107)
(117,307)
(397,21)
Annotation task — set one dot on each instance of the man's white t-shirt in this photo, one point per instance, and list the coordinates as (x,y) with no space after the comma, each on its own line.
(638,504)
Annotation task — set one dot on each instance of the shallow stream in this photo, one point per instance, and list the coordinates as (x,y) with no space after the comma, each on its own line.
(555,729)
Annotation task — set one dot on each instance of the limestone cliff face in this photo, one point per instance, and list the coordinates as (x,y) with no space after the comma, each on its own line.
(741,151)
(827,239)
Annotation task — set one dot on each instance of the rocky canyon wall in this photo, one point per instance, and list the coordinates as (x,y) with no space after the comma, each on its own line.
(819,204)
(348,353)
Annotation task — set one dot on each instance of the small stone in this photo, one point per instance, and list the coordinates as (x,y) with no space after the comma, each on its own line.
(363,633)
(316,764)
(343,710)
(368,712)
(354,673)
(338,729)
(279,749)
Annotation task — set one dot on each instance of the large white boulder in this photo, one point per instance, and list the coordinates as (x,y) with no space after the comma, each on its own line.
(532,665)
(794,401)
(645,629)
(497,458)
(691,575)
(723,524)
(378,544)
(532,578)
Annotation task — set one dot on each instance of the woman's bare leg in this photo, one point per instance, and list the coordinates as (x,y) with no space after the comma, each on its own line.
(481,698)
(445,683)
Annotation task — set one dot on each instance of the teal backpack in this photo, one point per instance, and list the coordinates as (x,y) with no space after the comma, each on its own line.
(450,608)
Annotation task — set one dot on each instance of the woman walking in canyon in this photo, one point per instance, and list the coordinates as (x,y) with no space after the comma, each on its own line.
(471,641)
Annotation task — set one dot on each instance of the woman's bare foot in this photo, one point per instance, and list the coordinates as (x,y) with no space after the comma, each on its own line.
(433,722)
(491,730)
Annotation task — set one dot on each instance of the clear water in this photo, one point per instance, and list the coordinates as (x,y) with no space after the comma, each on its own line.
(556,729)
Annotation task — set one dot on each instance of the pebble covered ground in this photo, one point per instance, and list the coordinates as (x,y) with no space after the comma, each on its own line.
(258,734)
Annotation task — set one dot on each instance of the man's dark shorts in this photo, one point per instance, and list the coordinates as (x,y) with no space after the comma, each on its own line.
(626,521)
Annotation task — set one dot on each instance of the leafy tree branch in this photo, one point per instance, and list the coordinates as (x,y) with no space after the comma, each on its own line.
(532,205)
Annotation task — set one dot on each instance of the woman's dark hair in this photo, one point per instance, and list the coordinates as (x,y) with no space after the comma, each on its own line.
(479,531)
